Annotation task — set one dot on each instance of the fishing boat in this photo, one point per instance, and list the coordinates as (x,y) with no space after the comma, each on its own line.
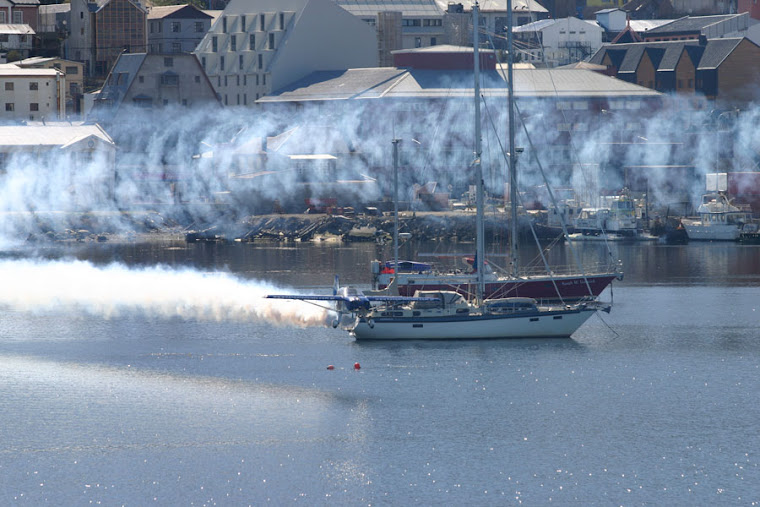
(447,314)
(717,220)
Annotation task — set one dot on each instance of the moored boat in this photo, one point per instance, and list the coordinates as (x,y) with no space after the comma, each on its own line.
(718,219)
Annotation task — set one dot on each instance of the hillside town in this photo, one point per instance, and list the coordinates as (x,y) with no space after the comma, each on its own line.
(132,116)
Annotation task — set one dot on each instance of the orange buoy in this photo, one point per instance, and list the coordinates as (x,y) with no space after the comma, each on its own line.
(330,367)
(357,366)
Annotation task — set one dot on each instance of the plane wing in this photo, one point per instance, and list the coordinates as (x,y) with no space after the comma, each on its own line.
(319,297)
(307,297)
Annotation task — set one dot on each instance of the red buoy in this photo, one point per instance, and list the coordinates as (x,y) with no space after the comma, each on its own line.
(357,366)
(330,367)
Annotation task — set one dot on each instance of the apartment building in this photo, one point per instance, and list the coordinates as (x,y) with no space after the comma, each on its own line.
(253,49)
(31,94)
(74,73)
(554,42)
(176,28)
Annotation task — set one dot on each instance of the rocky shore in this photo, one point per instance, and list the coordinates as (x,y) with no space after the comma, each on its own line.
(173,225)
(151,225)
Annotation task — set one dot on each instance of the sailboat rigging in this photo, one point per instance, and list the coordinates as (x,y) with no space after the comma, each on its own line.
(444,314)
(562,285)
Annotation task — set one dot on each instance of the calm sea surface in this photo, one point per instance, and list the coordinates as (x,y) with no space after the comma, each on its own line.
(161,393)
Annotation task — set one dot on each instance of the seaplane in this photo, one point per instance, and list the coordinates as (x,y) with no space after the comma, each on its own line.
(353,302)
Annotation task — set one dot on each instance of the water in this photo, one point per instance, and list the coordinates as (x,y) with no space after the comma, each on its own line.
(655,403)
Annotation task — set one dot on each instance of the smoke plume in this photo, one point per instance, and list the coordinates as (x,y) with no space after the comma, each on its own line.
(114,290)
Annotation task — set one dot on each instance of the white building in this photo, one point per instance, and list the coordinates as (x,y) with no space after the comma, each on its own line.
(31,94)
(79,157)
(557,42)
(254,48)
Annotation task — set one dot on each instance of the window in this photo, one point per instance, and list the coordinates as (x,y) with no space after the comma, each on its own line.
(418,42)
(238,79)
(242,23)
(72,70)
(176,27)
(257,80)
(203,62)
(141,79)
(261,61)
(433,41)
(214,44)
(261,23)
(18,17)
(240,61)
(282,21)
(2,17)
(9,106)
(271,41)
(411,22)
(221,63)
(252,42)
(225,81)
(4,37)
(245,99)
(197,79)
(170,79)
(168,61)
(8,87)
(245,79)
(176,47)
(34,85)
(264,79)
(224,24)
(233,43)
(199,27)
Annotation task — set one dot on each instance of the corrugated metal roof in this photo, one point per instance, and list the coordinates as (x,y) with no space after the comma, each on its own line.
(61,134)
(690,24)
(409,8)
(11,69)
(644,25)
(359,84)
(16,29)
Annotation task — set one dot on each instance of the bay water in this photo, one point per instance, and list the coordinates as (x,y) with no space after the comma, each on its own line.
(150,374)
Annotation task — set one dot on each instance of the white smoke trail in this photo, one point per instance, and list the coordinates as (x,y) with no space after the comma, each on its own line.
(113,290)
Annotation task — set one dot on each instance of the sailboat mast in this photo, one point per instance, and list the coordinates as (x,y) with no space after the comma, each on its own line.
(512,155)
(395,207)
(479,229)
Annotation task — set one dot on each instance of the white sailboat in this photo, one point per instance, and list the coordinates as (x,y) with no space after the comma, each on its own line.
(444,315)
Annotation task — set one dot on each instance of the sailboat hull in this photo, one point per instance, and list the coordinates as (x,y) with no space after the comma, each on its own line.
(544,324)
